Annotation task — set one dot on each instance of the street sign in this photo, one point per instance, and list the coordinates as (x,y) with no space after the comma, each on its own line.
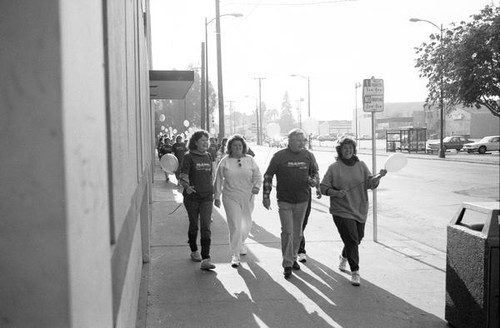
(373,95)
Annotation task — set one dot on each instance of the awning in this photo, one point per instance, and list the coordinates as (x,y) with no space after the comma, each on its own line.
(170,84)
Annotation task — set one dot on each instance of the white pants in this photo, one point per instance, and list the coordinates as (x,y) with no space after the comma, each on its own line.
(239,221)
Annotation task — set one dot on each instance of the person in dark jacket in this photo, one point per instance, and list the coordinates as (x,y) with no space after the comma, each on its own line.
(296,173)
(179,149)
(196,179)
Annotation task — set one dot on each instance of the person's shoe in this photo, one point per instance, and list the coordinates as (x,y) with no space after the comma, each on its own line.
(355,278)
(244,250)
(302,257)
(235,261)
(207,265)
(288,272)
(195,256)
(342,263)
(295,265)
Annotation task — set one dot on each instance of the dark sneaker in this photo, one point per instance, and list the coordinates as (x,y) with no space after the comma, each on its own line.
(288,272)
(295,265)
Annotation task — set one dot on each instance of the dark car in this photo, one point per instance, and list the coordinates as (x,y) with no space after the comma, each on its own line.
(453,142)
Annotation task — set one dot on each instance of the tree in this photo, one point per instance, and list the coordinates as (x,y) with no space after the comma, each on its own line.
(286,120)
(468,62)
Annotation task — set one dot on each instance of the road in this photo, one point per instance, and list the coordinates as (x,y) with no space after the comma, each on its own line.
(414,204)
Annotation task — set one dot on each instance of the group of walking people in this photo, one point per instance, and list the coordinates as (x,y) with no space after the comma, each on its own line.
(235,179)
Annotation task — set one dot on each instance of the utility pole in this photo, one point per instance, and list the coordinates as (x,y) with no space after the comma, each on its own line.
(219,71)
(259,127)
(202,102)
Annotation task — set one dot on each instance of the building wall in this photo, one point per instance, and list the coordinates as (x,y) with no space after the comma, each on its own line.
(75,175)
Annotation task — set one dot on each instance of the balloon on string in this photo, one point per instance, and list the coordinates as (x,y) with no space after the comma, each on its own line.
(162,117)
(395,162)
(162,127)
(273,130)
(174,131)
(186,123)
(169,163)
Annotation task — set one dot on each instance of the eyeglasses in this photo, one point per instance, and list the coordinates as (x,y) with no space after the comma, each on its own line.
(239,162)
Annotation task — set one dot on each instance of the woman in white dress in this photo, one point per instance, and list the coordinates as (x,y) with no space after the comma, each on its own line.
(237,180)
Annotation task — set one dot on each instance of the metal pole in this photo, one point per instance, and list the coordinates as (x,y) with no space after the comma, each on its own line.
(202,102)
(442,151)
(207,101)
(219,71)
(308,97)
(374,170)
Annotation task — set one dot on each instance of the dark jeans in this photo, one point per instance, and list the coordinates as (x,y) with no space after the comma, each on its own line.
(199,210)
(302,247)
(351,232)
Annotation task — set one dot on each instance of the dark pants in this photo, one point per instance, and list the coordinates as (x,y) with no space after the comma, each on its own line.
(351,232)
(199,210)
(302,247)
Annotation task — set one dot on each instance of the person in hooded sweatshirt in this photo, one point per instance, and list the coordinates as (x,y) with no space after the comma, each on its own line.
(196,179)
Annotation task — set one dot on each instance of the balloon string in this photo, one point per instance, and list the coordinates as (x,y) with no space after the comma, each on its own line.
(365,181)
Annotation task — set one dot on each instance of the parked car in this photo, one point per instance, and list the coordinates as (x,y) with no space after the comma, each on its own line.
(488,143)
(453,142)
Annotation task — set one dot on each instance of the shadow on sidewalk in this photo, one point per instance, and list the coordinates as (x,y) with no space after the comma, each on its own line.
(255,294)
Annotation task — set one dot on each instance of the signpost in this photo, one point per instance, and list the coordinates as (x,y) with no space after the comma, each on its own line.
(373,101)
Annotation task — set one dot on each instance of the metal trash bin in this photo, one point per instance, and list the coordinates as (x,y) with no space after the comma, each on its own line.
(472,266)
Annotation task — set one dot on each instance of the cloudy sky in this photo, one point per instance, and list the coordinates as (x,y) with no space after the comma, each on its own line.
(334,43)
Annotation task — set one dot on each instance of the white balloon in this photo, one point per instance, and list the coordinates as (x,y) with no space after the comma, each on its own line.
(395,162)
(169,163)
(162,117)
(273,129)
(162,127)
(174,131)
(310,125)
(186,123)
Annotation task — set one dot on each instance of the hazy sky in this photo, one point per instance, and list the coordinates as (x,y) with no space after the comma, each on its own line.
(335,43)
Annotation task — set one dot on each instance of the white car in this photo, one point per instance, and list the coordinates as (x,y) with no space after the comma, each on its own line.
(486,144)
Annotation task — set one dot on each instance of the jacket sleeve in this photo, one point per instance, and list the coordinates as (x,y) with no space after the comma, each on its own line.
(256,176)
(219,179)
(184,171)
(326,182)
(268,177)
(314,171)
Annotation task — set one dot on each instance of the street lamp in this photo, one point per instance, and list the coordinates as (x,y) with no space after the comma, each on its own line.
(308,101)
(441,104)
(308,92)
(206,61)
(357,85)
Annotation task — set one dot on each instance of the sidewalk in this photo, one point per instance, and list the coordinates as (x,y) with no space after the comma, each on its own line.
(403,285)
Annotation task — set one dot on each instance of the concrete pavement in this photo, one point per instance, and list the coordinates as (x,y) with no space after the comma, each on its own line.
(403,282)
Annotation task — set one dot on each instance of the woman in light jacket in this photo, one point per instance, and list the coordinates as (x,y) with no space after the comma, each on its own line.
(238,180)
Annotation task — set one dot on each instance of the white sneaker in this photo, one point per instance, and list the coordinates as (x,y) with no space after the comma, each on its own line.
(235,261)
(355,279)
(244,250)
(207,265)
(342,263)
(302,257)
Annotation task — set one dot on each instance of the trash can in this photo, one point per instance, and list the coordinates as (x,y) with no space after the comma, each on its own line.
(472,266)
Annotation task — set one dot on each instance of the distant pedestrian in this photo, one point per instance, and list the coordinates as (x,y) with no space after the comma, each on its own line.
(165,147)
(179,149)
(294,169)
(238,180)
(346,182)
(196,179)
